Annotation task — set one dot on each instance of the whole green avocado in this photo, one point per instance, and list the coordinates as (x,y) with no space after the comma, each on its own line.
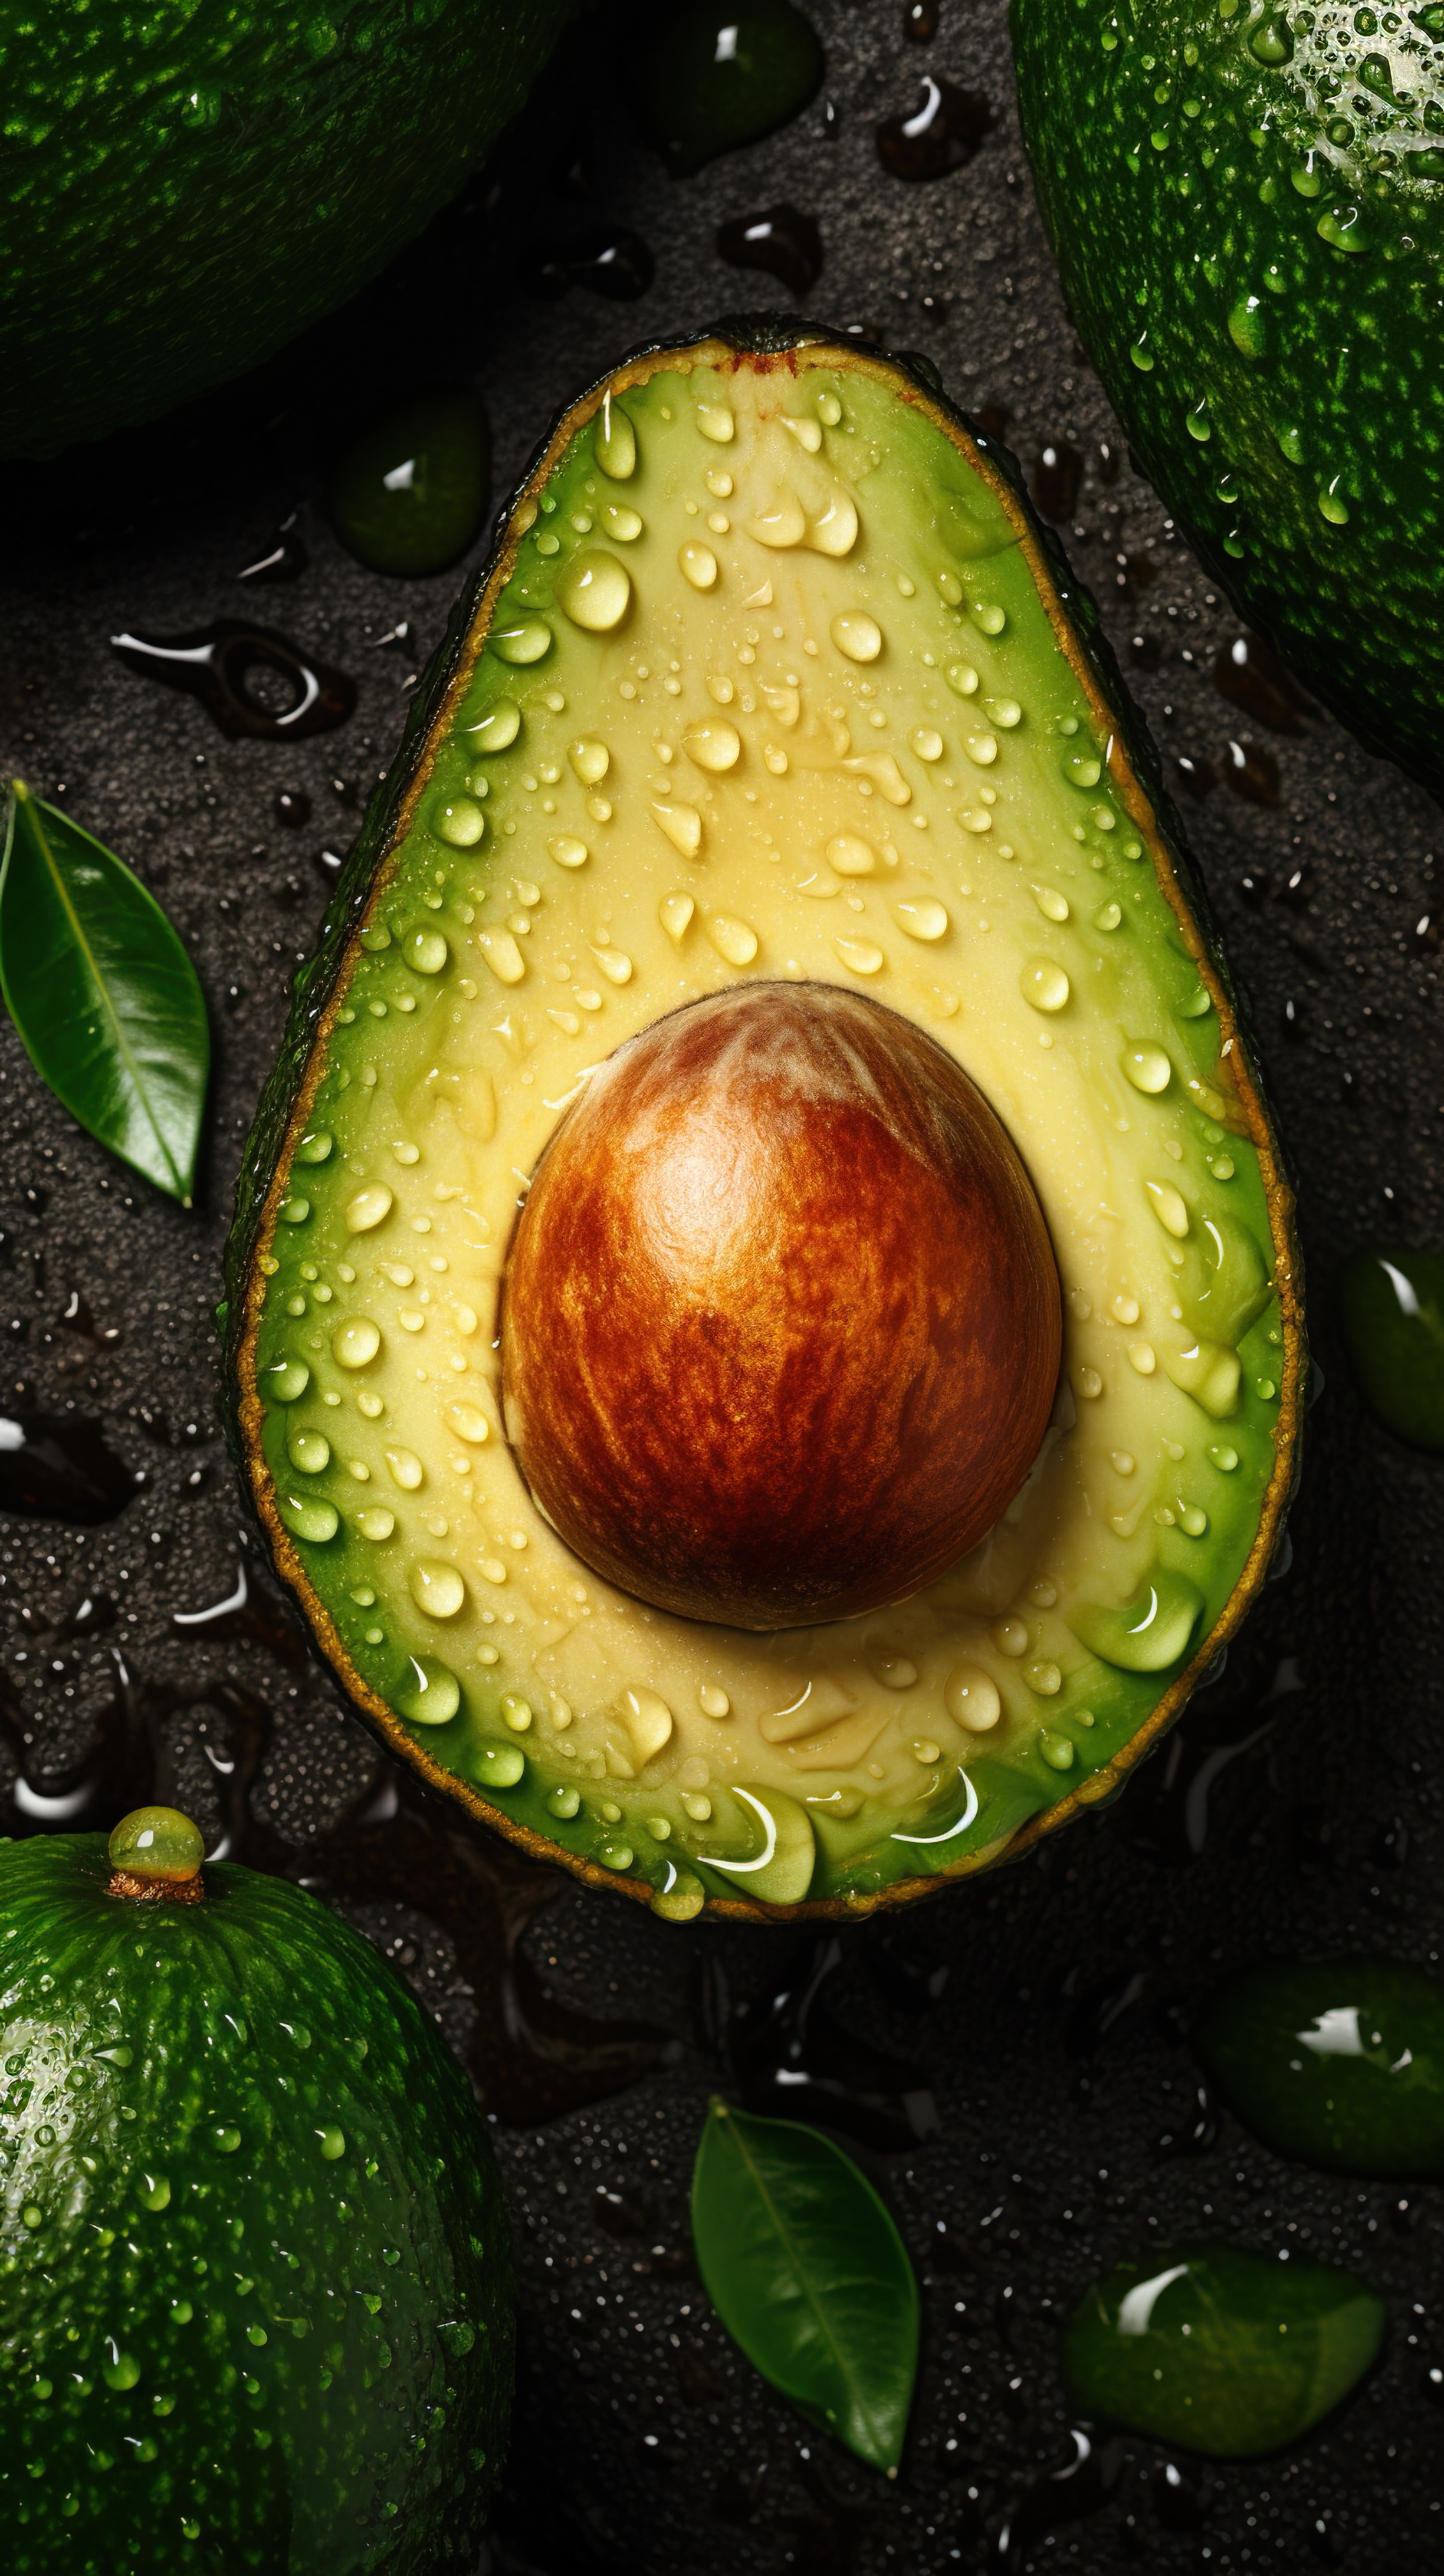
(255,2297)
(1247,206)
(182,190)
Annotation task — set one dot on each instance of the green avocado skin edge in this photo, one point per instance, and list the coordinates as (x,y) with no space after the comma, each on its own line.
(1247,208)
(179,200)
(255,2293)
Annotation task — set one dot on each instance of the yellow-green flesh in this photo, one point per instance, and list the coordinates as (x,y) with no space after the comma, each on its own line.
(821,727)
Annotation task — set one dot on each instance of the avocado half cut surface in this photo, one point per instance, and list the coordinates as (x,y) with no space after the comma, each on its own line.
(773,681)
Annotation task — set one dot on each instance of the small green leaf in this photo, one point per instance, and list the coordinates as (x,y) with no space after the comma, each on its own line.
(103,995)
(809,2275)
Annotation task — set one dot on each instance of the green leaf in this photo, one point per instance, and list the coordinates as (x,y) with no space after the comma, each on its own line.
(809,2275)
(105,998)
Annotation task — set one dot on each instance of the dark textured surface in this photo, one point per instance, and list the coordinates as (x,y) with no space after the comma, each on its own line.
(1055,2053)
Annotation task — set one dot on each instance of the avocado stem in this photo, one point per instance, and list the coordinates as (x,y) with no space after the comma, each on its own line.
(173,1891)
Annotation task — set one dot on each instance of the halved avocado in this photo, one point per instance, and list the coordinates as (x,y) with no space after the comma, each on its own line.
(776,546)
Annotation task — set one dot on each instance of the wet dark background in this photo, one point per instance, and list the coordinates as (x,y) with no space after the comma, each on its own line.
(1010,2061)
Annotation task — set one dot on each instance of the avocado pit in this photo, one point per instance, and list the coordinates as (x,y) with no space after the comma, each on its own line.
(781,1323)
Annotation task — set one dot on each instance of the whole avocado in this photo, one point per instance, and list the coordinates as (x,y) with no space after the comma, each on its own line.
(1247,206)
(255,2298)
(182,192)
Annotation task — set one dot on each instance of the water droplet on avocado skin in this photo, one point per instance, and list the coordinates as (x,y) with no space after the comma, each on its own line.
(1229,2353)
(409,494)
(717,77)
(1340,2065)
(1391,1306)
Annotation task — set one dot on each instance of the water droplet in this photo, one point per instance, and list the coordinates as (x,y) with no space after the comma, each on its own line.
(698,565)
(972,1697)
(409,495)
(675,913)
(614,443)
(433,1694)
(1332,504)
(924,918)
(713,744)
(682,825)
(1169,1206)
(308,1451)
(1148,1067)
(459,822)
(369,1208)
(783,241)
(406,1469)
(499,1766)
(496,731)
(376,1522)
(850,857)
(563,1802)
(425,951)
(594,591)
(436,1588)
(590,759)
(856,635)
(962,679)
(1044,984)
(468,1422)
(294,1211)
(1224,2350)
(941,135)
(717,423)
(1057,1750)
(734,940)
(860,956)
(225,2139)
(713,1701)
(1083,768)
(307,1516)
(355,1343)
(615,964)
(502,954)
(522,641)
(1052,905)
(215,664)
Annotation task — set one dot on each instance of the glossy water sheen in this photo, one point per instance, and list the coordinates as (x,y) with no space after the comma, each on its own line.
(718,76)
(220,664)
(409,494)
(939,135)
(1222,2351)
(1391,1305)
(784,242)
(1342,2066)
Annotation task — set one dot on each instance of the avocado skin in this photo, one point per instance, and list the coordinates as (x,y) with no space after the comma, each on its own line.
(343,2302)
(171,213)
(1180,225)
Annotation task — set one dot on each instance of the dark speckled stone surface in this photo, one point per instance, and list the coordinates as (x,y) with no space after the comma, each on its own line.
(1300,1809)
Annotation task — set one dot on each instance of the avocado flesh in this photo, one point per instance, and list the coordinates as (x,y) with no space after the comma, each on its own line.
(1247,208)
(1018,902)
